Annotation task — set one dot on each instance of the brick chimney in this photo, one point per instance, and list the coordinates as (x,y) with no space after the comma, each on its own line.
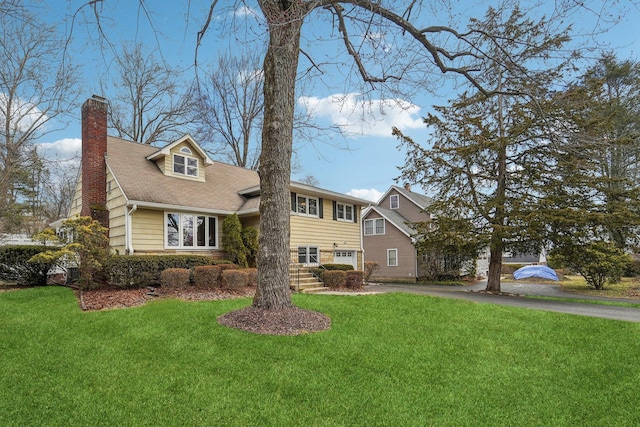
(94,168)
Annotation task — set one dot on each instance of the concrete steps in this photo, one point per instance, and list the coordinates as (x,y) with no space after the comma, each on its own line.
(301,279)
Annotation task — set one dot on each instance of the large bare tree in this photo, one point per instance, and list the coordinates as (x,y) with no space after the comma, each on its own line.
(37,87)
(148,100)
(230,107)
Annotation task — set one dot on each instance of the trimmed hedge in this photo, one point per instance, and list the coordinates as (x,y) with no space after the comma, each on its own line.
(335,278)
(233,279)
(176,278)
(252,276)
(206,276)
(15,265)
(339,267)
(137,271)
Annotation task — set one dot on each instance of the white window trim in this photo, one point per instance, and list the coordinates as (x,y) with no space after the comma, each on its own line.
(395,197)
(180,246)
(344,212)
(374,228)
(307,250)
(388,252)
(306,213)
(186,166)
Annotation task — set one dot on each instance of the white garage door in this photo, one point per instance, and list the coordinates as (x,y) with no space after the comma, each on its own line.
(345,257)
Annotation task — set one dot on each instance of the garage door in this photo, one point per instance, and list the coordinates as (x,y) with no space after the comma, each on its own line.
(345,257)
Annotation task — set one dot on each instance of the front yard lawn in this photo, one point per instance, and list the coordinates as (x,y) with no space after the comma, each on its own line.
(390,359)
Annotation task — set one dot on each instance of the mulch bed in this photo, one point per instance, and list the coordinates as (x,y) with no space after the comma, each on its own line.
(108,298)
(287,321)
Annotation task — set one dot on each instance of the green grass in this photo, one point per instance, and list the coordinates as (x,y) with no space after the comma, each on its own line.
(388,360)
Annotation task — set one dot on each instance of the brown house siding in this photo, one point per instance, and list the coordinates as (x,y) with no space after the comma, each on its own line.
(375,249)
(407,208)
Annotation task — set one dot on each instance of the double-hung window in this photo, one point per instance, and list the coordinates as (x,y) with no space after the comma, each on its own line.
(344,212)
(183,165)
(392,257)
(373,226)
(190,231)
(308,254)
(306,205)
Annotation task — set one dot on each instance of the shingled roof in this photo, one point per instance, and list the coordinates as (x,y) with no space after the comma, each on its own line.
(143,182)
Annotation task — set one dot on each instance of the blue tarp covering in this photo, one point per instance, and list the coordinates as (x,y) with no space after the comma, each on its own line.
(541,271)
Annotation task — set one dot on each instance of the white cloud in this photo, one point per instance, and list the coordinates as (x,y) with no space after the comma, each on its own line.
(367,194)
(357,116)
(63,149)
(24,114)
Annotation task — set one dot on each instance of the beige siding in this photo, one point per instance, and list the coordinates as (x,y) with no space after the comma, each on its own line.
(117,215)
(176,150)
(76,203)
(325,233)
(147,230)
(148,235)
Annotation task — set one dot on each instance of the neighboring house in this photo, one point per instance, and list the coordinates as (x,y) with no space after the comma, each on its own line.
(173,199)
(388,237)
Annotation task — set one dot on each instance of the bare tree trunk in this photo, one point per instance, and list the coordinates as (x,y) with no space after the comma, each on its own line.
(280,67)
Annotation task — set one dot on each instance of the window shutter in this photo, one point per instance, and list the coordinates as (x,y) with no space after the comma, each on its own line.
(335,210)
(355,213)
(320,208)
(293,202)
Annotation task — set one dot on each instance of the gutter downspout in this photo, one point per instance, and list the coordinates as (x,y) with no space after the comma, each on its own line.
(128,230)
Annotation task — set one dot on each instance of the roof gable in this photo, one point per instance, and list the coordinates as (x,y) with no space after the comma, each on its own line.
(420,200)
(186,139)
(392,217)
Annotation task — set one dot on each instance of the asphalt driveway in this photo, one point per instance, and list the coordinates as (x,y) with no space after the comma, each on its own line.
(518,292)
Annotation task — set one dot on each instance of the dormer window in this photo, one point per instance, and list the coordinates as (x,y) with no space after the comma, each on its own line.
(185,165)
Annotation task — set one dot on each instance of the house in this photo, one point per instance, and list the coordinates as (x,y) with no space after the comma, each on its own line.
(388,236)
(172,200)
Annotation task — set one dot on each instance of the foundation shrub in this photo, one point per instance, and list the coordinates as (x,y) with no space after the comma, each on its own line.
(233,279)
(138,271)
(252,276)
(354,279)
(206,276)
(175,278)
(335,278)
(340,267)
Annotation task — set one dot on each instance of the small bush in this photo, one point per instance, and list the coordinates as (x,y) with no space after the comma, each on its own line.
(206,276)
(339,267)
(175,278)
(335,278)
(370,267)
(233,279)
(252,276)
(354,279)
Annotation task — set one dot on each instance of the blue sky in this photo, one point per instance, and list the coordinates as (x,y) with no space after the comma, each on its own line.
(368,162)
